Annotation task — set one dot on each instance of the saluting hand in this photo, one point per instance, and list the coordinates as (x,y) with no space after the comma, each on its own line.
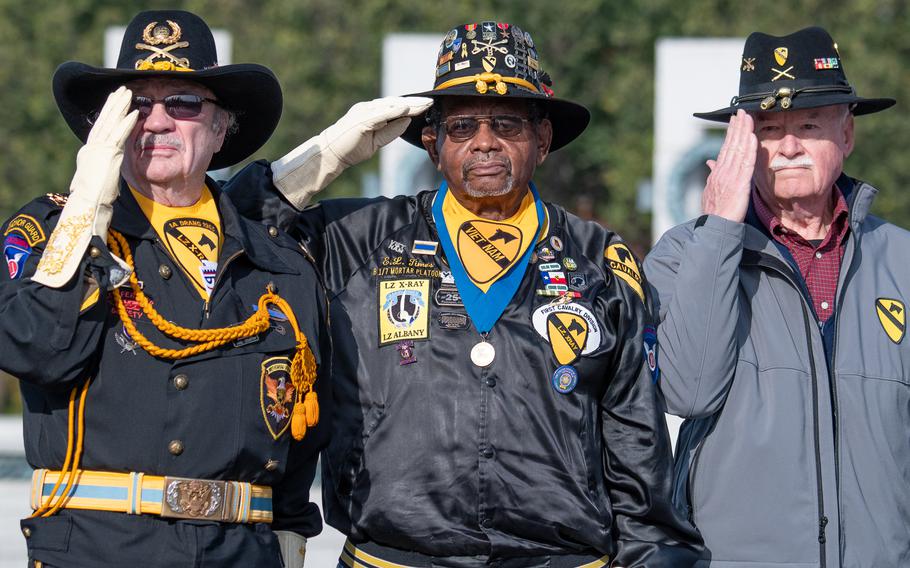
(729,184)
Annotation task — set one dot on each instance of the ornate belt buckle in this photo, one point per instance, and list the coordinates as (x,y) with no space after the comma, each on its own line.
(186,498)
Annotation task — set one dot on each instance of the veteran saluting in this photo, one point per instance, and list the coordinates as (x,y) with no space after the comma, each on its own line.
(495,404)
(169,351)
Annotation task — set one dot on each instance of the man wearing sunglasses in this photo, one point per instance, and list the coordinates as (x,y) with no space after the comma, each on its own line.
(494,372)
(170,352)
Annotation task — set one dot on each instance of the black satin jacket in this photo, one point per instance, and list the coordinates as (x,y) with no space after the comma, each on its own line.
(446,458)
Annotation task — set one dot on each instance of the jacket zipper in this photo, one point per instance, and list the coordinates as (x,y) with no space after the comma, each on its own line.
(771,262)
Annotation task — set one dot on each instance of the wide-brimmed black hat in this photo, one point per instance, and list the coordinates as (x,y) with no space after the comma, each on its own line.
(498,60)
(179,45)
(800,70)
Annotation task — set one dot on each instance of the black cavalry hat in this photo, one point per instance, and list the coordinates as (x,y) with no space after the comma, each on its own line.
(494,59)
(179,45)
(800,70)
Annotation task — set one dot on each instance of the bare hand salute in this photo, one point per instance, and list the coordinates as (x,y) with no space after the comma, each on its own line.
(729,184)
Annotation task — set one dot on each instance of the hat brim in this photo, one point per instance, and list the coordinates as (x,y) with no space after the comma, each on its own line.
(569,119)
(861,106)
(251,91)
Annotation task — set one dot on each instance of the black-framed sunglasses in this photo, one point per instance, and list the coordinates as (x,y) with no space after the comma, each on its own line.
(464,127)
(176,106)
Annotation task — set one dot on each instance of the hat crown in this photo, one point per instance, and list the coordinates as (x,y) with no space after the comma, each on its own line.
(496,57)
(805,58)
(167,40)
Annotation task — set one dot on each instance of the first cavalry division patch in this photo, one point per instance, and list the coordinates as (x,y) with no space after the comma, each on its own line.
(22,233)
(621,261)
(570,329)
(487,249)
(893,317)
(403,310)
(276,394)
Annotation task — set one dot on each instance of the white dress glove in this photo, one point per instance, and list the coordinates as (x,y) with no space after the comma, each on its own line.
(356,136)
(293,548)
(92,192)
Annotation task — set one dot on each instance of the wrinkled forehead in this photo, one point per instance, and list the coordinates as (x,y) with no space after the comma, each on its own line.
(163,86)
(451,106)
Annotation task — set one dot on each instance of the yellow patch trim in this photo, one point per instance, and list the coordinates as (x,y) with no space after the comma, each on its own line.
(28,227)
(622,262)
(396,297)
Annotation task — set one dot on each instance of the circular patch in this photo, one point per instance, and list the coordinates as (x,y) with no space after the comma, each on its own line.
(450,37)
(510,61)
(564,379)
(556,243)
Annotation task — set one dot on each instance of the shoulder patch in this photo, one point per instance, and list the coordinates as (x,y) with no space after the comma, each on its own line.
(28,227)
(22,233)
(622,262)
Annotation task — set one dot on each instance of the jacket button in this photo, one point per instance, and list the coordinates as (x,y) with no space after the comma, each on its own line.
(491,382)
(273,231)
(271,465)
(26,532)
(175,447)
(487,452)
(487,523)
(165,271)
(94,252)
(181,381)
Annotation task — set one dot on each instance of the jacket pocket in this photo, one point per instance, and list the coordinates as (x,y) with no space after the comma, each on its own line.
(352,464)
(48,533)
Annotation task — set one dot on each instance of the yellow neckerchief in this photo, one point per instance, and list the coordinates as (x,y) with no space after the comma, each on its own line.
(192,236)
(488,249)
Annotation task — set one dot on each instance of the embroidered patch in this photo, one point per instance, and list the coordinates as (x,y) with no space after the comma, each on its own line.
(650,347)
(569,328)
(28,227)
(621,261)
(403,310)
(276,394)
(487,248)
(893,317)
(16,251)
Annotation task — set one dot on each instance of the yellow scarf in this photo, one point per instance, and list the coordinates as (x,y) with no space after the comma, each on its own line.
(192,236)
(488,249)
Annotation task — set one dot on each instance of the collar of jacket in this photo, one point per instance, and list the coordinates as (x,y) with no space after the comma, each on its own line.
(858,195)
(129,219)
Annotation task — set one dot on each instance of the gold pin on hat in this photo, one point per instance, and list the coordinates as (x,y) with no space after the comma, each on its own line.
(156,34)
(780,55)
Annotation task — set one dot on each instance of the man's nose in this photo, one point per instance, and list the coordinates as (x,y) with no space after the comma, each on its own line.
(158,119)
(790,146)
(485,139)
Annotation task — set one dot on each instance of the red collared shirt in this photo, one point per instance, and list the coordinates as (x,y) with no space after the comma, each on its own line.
(819,266)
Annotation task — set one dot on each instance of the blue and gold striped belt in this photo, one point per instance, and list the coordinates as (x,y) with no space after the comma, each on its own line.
(356,556)
(170,497)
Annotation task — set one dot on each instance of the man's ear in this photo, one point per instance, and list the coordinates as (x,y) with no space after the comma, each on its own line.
(544,139)
(429,138)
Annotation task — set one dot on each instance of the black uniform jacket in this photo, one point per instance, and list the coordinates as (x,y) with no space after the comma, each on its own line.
(135,408)
(446,458)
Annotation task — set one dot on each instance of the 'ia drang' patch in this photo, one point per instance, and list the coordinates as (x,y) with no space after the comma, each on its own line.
(621,261)
(403,310)
(570,329)
(193,243)
(276,394)
(892,316)
(22,233)
(487,249)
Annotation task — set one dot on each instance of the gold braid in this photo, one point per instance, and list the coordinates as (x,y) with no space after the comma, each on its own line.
(303,365)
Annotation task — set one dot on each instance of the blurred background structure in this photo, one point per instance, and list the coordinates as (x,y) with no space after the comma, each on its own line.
(638,65)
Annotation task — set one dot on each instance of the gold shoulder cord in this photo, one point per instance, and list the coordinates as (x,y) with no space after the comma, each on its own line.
(303,366)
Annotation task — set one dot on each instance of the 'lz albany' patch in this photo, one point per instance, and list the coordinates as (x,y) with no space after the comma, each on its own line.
(621,261)
(22,233)
(893,317)
(487,249)
(403,310)
(570,329)
(276,394)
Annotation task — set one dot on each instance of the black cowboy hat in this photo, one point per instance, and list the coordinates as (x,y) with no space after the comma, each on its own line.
(800,70)
(179,45)
(494,59)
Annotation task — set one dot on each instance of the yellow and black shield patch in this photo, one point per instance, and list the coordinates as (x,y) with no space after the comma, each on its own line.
(487,249)
(276,394)
(892,316)
(780,55)
(193,243)
(567,334)
(621,261)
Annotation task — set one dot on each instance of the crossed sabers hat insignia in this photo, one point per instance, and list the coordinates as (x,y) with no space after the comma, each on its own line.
(152,41)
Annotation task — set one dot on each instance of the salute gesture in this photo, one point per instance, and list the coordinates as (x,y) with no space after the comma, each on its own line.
(729,184)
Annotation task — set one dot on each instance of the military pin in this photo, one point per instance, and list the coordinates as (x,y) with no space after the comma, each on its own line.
(482,354)
(570,264)
(564,379)
(556,243)
(406,350)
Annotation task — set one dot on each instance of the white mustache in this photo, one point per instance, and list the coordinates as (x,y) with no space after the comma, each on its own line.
(158,139)
(780,163)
